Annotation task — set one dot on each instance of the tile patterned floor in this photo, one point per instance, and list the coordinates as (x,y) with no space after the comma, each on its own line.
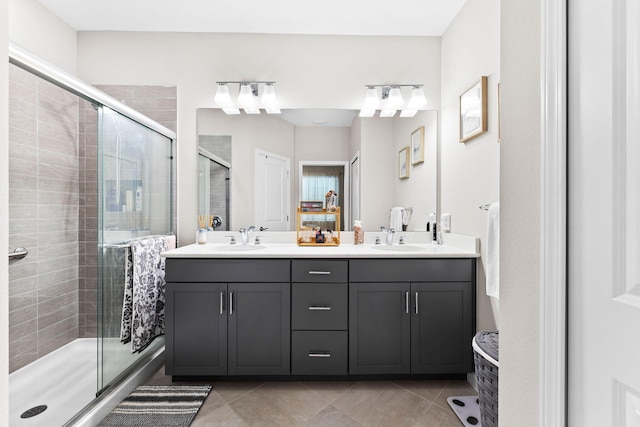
(329,404)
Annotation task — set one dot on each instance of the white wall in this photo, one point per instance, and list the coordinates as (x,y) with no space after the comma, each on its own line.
(4,213)
(310,71)
(378,172)
(34,28)
(420,190)
(248,133)
(520,217)
(470,172)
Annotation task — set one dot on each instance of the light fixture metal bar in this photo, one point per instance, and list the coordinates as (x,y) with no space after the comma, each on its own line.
(246,82)
(394,85)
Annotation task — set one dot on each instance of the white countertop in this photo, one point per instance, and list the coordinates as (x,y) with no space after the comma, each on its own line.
(272,246)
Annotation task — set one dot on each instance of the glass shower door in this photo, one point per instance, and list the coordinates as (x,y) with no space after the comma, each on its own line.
(134,201)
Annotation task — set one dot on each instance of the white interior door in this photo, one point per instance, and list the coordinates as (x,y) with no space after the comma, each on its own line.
(272,191)
(604,213)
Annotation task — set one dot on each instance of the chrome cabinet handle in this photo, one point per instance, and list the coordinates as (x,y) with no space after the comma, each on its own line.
(319,273)
(230,302)
(416,303)
(319,308)
(406,302)
(319,354)
(221,301)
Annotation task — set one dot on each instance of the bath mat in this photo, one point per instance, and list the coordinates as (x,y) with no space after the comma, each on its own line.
(164,405)
(467,409)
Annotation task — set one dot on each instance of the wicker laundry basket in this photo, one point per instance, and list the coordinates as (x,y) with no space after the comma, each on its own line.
(485,355)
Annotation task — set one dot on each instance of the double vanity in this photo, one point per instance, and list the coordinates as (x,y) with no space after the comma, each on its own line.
(278,309)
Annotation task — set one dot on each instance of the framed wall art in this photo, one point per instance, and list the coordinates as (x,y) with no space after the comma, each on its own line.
(473,110)
(403,163)
(417,146)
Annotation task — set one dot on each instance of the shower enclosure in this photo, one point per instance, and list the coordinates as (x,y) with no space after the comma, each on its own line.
(87,176)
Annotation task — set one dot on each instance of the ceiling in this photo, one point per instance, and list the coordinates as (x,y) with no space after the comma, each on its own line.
(324,17)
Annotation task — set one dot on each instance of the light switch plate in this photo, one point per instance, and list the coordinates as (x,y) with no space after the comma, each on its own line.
(446,222)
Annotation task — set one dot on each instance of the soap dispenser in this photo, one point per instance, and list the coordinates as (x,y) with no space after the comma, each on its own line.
(433,227)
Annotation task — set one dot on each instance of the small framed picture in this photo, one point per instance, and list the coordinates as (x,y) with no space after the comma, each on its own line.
(403,163)
(417,146)
(473,111)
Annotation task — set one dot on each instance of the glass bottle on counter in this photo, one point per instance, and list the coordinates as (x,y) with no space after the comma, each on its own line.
(358,233)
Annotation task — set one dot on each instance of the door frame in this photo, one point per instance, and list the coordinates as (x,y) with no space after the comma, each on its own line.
(346,196)
(553,215)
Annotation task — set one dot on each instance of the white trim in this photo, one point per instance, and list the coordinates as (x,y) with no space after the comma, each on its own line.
(553,208)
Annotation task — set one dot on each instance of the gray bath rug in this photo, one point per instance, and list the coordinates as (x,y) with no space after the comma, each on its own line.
(467,409)
(161,405)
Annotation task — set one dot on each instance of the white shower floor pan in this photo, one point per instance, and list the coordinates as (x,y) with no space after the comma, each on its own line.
(65,380)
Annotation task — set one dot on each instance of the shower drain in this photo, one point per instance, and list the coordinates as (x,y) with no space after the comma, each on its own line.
(36,410)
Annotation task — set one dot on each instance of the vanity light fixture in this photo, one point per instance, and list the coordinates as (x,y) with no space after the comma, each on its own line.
(223,99)
(247,97)
(371,102)
(417,101)
(269,99)
(392,100)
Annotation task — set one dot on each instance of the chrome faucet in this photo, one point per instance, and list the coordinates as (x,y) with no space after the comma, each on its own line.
(390,236)
(244,234)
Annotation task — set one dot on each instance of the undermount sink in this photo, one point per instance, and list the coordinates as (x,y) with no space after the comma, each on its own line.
(240,248)
(399,248)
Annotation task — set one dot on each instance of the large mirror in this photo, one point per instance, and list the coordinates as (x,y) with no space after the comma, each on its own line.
(275,162)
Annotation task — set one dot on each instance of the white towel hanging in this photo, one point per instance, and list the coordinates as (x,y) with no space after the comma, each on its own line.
(396,218)
(493,250)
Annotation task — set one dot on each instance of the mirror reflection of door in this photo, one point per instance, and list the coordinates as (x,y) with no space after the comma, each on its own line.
(318,178)
(213,187)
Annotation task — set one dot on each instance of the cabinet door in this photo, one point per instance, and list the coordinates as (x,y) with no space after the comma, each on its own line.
(442,327)
(259,328)
(196,335)
(379,328)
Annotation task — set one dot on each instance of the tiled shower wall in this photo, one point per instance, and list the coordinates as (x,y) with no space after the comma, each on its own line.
(43,217)
(53,209)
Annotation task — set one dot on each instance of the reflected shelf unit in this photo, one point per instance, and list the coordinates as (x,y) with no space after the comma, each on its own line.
(308,222)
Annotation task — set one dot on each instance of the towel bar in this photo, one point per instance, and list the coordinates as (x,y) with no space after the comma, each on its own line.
(18,253)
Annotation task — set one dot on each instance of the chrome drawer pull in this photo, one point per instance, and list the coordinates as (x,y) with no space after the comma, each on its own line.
(221,301)
(319,308)
(406,302)
(319,355)
(417,303)
(320,273)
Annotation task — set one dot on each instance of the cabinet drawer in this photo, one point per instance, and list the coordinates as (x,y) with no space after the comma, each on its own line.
(319,271)
(319,306)
(227,270)
(412,270)
(319,352)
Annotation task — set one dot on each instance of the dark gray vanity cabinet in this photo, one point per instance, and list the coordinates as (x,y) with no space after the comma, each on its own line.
(379,328)
(411,316)
(319,313)
(196,344)
(228,316)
